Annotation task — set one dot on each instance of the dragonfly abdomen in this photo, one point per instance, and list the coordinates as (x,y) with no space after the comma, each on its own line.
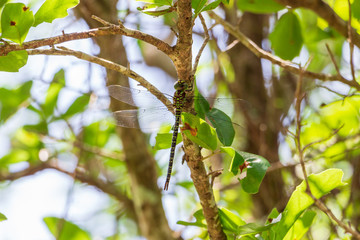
(173,145)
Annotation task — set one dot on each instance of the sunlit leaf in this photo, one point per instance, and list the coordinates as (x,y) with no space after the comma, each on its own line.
(53,9)
(52,94)
(78,106)
(355,9)
(259,6)
(301,226)
(201,133)
(213,5)
(286,38)
(229,220)
(163,140)
(2,3)
(200,220)
(65,230)
(320,184)
(16,20)
(157,2)
(11,100)
(13,61)
(255,167)
(2,217)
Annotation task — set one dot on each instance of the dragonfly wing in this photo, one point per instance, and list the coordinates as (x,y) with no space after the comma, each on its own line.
(123,94)
(148,119)
(135,97)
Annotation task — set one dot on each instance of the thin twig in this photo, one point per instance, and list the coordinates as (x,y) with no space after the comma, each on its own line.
(111,29)
(261,53)
(300,149)
(333,59)
(351,44)
(206,40)
(109,65)
(210,155)
(322,140)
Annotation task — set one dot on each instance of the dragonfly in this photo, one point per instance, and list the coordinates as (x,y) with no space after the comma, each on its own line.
(129,118)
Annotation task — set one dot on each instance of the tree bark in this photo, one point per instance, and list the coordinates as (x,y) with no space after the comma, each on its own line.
(140,164)
(262,122)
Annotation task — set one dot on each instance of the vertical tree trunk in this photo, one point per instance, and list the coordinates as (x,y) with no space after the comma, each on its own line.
(262,122)
(140,164)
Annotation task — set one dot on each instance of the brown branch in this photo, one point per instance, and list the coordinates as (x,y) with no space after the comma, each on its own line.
(206,40)
(261,53)
(107,64)
(183,64)
(351,44)
(324,11)
(111,29)
(80,175)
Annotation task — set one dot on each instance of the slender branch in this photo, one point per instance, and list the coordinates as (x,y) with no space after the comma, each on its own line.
(81,176)
(107,64)
(111,29)
(206,40)
(333,59)
(300,149)
(351,44)
(261,53)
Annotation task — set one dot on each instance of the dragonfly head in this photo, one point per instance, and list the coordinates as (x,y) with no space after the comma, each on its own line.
(181,85)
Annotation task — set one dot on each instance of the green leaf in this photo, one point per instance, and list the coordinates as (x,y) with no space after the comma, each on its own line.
(13,61)
(355,9)
(2,3)
(273,214)
(255,166)
(236,161)
(11,100)
(52,94)
(156,11)
(253,228)
(78,106)
(2,217)
(320,185)
(230,221)
(65,230)
(259,6)
(163,140)
(41,128)
(200,132)
(197,5)
(286,38)
(16,20)
(200,220)
(157,2)
(101,130)
(213,5)
(201,105)
(52,9)
(16,156)
(223,125)
(301,226)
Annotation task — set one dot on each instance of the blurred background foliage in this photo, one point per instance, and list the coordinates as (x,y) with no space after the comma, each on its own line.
(55,118)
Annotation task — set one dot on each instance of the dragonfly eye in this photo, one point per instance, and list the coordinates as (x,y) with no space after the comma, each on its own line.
(181,85)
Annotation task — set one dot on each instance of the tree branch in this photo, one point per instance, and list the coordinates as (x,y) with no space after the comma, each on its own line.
(79,175)
(183,64)
(111,29)
(107,64)
(300,149)
(261,53)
